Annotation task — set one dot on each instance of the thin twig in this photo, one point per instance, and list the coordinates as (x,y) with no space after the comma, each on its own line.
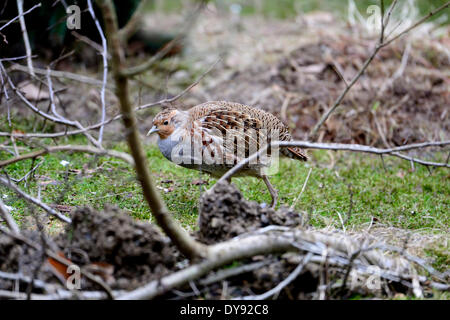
(105,69)
(283,283)
(127,31)
(26,40)
(6,216)
(20,15)
(380,44)
(303,188)
(346,147)
(9,184)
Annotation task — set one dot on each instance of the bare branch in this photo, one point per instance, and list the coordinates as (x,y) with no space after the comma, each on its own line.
(346,147)
(130,28)
(20,15)
(303,189)
(105,69)
(133,71)
(26,40)
(380,44)
(419,22)
(185,243)
(59,74)
(294,274)
(9,184)
(4,213)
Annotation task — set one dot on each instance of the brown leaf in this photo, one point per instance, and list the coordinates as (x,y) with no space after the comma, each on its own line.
(59,269)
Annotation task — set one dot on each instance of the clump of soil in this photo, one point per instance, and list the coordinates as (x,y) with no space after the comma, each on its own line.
(138,251)
(17,257)
(125,253)
(224,214)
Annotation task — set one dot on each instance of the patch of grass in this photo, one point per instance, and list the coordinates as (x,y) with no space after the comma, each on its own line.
(395,197)
(286,9)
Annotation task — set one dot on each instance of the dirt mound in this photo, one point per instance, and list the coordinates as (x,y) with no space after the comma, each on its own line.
(19,258)
(125,253)
(137,251)
(224,214)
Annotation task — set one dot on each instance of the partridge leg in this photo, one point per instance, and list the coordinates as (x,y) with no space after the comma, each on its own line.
(272,191)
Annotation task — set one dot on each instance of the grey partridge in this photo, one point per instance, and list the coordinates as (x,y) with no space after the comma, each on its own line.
(214,136)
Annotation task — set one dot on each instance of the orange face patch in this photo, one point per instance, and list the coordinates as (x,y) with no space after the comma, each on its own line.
(163,122)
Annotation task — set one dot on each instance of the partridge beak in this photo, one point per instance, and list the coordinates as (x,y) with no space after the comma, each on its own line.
(152,130)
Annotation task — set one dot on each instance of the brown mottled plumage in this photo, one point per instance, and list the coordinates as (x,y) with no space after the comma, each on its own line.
(218,134)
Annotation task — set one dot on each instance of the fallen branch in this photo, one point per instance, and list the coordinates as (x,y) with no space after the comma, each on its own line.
(283,283)
(311,242)
(345,147)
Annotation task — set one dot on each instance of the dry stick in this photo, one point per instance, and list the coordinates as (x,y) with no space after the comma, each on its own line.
(294,274)
(242,248)
(346,147)
(182,93)
(184,242)
(9,184)
(75,148)
(59,295)
(220,254)
(133,71)
(419,22)
(56,117)
(303,189)
(4,213)
(130,28)
(5,91)
(23,278)
(227,273)
(105,69)
(19,16)
(381,43)
(59,74)
(52,101)
(26,40)
(117,117)
(61,118)
(88,41)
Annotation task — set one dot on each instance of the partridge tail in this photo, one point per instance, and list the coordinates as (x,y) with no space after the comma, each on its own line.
(295,153)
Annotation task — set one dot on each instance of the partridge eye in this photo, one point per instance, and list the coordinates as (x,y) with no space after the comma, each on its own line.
(166,123)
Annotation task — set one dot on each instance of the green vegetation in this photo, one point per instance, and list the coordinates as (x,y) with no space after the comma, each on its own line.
(284,9)
(395,197)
